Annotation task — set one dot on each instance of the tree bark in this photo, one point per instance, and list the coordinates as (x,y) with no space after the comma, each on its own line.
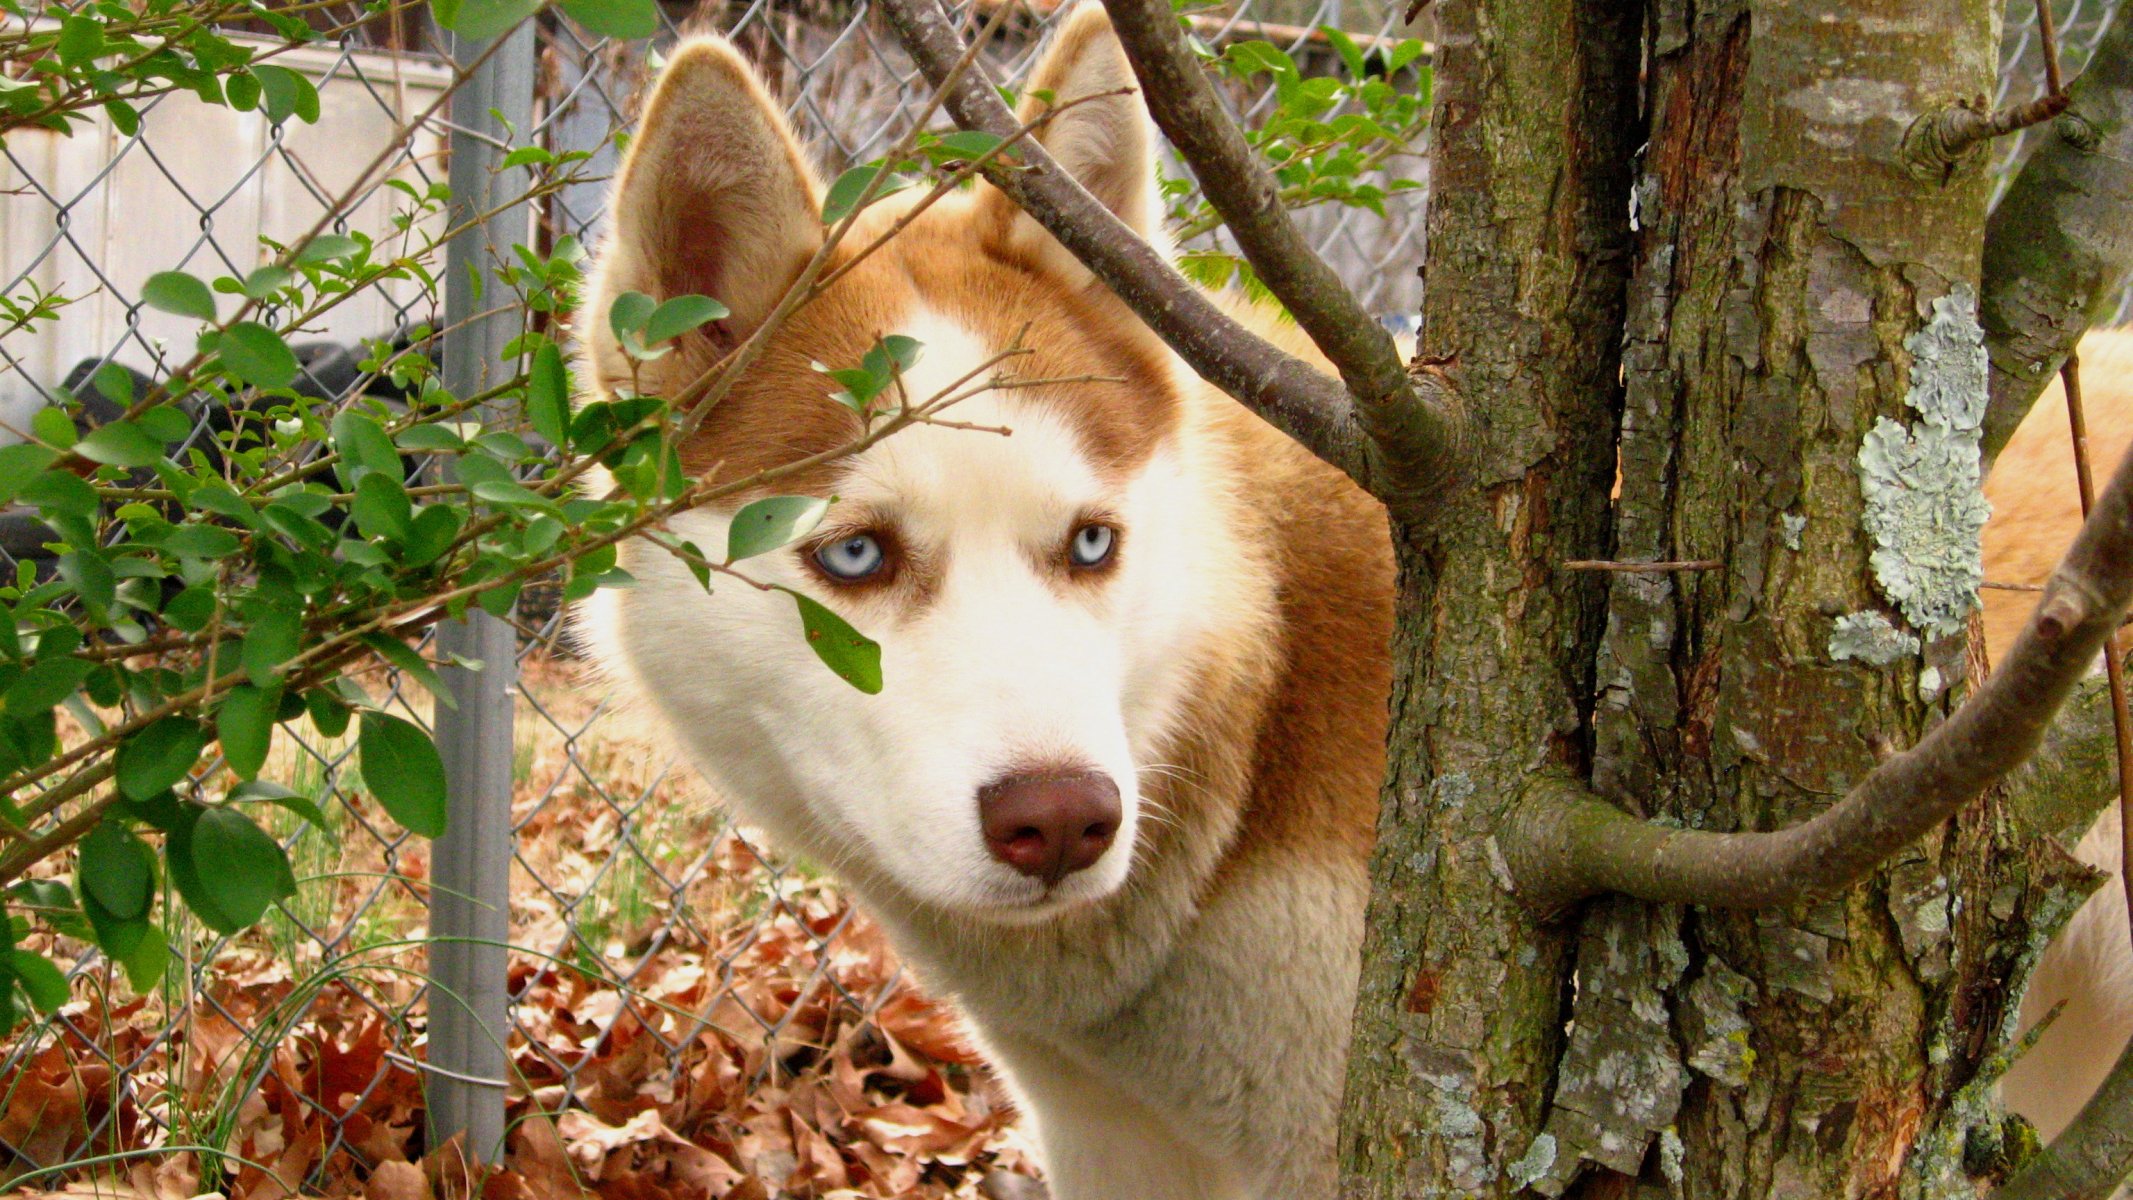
(1804,384)
(1805,392)
(1458,1016)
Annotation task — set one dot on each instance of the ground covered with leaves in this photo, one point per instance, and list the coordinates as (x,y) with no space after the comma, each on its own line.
(689,1019)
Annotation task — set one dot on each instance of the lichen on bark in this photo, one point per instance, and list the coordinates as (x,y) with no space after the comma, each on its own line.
(1922,483)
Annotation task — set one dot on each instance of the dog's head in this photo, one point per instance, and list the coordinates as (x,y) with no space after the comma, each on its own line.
(1034,566)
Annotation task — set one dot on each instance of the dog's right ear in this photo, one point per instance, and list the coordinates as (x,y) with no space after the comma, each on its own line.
(715,198)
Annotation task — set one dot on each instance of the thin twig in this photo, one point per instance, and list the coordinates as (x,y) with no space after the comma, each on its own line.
(1937,141)
(2113,667)
(2048,36)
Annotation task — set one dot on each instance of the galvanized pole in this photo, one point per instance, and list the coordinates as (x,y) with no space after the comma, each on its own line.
(470,896)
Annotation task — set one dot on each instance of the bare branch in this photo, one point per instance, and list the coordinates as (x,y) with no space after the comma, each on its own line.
(1938,141)
(1288,392)
(2059,245)
(1411,434)
(1566,843)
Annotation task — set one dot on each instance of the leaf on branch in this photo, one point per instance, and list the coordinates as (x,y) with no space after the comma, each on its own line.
(179,293)
(774,521)
(851,654)
(257,355)
(159,757)
(403,770)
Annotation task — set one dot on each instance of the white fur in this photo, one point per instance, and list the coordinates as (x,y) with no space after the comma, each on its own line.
(1000,670)
(2090,967)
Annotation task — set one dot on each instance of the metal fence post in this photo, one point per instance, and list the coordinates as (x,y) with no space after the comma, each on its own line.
(470,897)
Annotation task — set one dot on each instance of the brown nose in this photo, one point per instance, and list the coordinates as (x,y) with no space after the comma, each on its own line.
(1049,825)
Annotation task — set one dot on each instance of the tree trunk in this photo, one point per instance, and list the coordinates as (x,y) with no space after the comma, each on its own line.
(1462,989)
(1802,382)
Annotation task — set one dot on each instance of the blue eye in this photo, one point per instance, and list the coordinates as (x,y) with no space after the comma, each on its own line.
(1092,545)
(855,557)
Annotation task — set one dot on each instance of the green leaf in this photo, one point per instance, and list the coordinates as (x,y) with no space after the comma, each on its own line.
(363,446)
(257,355)
(967,144)
(159,757)
(431,533)
(843,649)
(147,959)
(1351,54)
(166,423)
(271,642)
(328,715)
(328,246)
(259,790)
(120,444)
(615,18)
(844,194)
(629,312)
(679,316)
(244,724)
(19,464)
(117,870)
(191,609)
(263,283)
(403,770)
(285,93)
(81,39)
(192,886)
(45,983)
(480,20)
(124,117)
(54,427)
(116,382)
(241,868)
(179,293)
(200,541)
(764,525)
(44,685)
(548,396)
(381,508)
(91,575)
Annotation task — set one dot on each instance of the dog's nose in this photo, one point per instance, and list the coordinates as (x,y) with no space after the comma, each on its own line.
(1049,825)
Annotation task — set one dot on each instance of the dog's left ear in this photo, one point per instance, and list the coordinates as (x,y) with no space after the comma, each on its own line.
(1107,143)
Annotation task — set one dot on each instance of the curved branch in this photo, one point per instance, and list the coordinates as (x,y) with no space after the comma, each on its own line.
(1413,438)
(1566,843)
(1288,392)
(2093,1155)
(2059,245)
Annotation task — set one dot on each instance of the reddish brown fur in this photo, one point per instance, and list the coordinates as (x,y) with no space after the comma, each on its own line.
(2036,508)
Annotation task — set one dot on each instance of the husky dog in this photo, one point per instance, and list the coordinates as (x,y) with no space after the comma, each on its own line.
(1118,793)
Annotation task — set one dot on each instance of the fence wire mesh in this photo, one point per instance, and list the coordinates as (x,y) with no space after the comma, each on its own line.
(662,960)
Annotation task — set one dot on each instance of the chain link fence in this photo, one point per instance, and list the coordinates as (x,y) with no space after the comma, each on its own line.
(661,961)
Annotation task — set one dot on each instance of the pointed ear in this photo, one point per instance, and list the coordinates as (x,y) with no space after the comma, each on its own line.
(715,198)
(1107,144)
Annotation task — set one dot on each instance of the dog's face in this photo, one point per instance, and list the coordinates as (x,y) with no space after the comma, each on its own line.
(1024,569)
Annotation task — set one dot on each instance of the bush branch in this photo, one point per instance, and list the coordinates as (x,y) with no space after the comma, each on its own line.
(1565,843)
(1289,393)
